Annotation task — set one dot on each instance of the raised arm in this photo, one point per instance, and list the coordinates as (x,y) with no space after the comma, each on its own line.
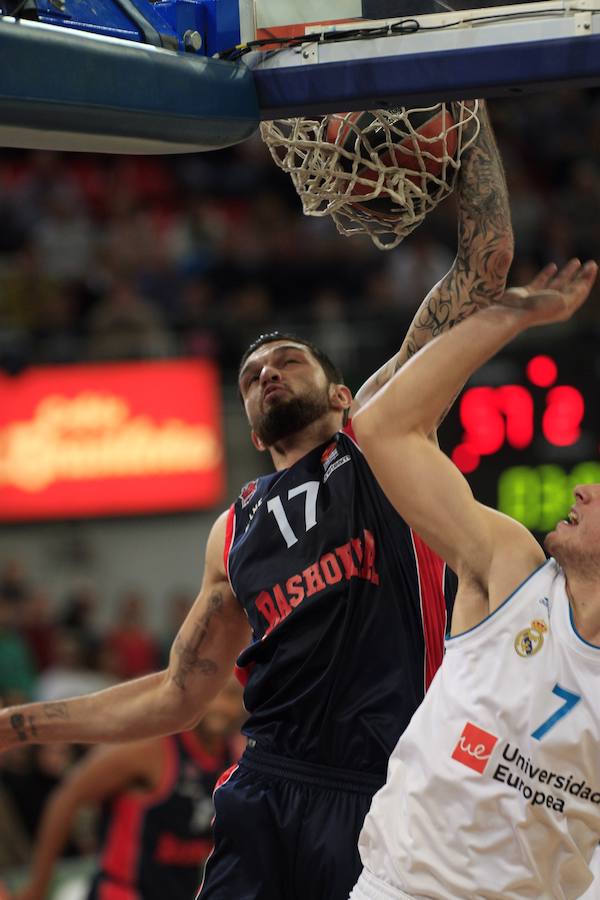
(202,659)
(485,548)
(479,271)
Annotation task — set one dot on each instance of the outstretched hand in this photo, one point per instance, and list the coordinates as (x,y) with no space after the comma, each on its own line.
(553,295)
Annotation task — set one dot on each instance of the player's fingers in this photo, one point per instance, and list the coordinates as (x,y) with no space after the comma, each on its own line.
(577,290)
(584,279)
(543,278)
(565,276)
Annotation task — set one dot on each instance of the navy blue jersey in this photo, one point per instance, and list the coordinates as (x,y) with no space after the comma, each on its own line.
(348,610)
(155,842)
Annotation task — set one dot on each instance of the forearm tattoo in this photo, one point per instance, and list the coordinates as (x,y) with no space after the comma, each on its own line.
(17,723)
(189,653)
(26,726)
(55,711)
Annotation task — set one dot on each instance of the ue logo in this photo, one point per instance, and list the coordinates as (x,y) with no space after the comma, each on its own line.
(494,416)
(474,747)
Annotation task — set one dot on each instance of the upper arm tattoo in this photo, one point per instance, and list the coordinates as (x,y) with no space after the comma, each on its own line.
(485,245)
(56,710)
(189,653)
(484,226)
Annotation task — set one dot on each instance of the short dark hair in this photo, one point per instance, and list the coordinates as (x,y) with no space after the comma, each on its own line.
(332,372)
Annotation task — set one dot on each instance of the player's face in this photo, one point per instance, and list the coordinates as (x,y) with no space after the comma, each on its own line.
(284,389)
(575,540)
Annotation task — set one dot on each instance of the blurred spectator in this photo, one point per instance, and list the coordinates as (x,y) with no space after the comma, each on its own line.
(14,584)
(25,286)
(38,627)
(331,332)
(123,325)
(15,842)
(28,775)
(197,318)
(63,233)
(135,649)
(57,331)
(15,846)
(69,676)
(17,671)
(416,266)
(78,617)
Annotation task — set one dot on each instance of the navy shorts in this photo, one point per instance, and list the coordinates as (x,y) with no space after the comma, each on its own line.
(286,830)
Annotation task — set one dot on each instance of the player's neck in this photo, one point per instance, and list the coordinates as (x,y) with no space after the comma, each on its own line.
(292,448)
(584,597)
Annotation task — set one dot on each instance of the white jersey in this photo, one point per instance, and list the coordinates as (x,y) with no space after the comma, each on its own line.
(593,892)
(493,791)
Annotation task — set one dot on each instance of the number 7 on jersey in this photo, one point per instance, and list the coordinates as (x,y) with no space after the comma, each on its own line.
(570,700)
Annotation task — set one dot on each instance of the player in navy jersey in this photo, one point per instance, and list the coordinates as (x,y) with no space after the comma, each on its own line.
(332,607)
(157,809)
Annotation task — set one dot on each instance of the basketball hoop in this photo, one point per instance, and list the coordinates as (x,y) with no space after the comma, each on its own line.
(378,173)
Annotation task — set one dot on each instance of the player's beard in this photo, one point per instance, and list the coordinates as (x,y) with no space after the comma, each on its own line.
(290,416)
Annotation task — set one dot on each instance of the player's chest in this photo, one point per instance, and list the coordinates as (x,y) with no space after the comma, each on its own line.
(308,508)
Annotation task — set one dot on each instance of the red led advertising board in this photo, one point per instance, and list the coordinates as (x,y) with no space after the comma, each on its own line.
(525,445)
(110,439)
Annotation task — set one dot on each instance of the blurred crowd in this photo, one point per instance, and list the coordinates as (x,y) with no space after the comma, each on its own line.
(105,257)
(52,648)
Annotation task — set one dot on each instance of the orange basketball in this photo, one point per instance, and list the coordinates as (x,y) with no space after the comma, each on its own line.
(422,148)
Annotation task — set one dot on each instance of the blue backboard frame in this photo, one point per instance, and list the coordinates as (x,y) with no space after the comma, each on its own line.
(75,89)
(495,58)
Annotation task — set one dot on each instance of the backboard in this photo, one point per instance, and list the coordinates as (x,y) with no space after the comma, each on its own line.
(170,76)
(339,56)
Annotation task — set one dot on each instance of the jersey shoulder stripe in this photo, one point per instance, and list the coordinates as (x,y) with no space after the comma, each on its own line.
(431,571)
(229,536)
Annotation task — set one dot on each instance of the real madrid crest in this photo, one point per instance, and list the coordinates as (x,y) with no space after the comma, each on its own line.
(530,640)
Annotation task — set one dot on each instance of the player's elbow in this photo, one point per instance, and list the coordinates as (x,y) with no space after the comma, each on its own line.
(386,416)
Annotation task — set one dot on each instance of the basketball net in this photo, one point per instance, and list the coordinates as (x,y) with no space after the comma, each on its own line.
(338,180)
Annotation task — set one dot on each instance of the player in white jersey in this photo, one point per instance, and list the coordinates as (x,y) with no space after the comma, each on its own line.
(493,791)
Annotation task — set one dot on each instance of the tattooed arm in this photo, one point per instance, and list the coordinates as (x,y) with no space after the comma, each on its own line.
(485,250)
(202,659)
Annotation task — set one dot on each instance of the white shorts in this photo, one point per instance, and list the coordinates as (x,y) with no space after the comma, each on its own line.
(368,887)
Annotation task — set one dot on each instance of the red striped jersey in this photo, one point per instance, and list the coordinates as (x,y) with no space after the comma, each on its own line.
(155,842)
(348,609)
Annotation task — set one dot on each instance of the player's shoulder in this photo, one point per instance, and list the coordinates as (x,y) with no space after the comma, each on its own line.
(513,556)
(511,539)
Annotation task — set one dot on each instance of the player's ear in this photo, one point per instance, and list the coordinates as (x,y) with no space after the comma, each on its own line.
(340,396)
(257,441)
